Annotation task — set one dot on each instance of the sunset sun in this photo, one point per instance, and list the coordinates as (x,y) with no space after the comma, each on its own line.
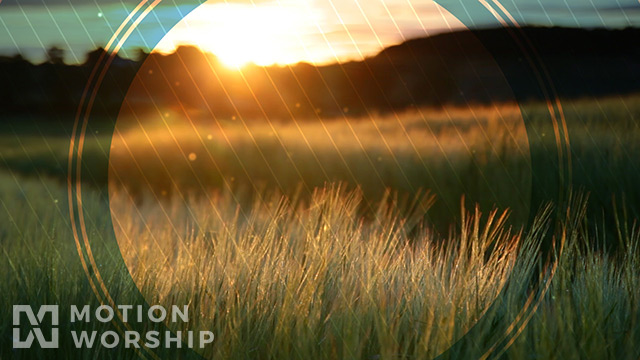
(290,31)
(243,33)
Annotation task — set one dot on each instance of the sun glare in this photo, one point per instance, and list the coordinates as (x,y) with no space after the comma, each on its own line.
(268,32)
(244,33)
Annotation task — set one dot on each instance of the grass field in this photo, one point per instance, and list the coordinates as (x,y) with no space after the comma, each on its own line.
(343,239)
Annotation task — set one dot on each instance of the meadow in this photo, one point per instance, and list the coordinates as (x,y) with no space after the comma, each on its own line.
(383,238)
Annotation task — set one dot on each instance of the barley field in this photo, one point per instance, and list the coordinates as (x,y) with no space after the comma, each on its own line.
(423,234)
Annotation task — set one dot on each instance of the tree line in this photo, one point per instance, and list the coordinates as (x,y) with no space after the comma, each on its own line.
(464,67)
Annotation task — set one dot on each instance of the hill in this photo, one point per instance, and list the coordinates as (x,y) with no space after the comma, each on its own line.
(479,66)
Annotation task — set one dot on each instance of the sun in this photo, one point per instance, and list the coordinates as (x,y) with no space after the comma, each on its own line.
(240,33)
(282,32)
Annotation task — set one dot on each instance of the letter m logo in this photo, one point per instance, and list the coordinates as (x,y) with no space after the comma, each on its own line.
(35,322)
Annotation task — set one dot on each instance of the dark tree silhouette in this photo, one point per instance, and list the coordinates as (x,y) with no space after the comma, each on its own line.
(55,55)
(478,66)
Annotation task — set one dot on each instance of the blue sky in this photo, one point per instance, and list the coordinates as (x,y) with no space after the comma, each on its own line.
(358,27)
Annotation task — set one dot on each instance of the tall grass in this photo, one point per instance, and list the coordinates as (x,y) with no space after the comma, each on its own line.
(501,155)
(341,239)
(481,154)
(496,156)
(317,279)
(294,278)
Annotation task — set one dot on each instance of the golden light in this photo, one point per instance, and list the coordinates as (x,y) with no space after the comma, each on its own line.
(246,33)
(267,32)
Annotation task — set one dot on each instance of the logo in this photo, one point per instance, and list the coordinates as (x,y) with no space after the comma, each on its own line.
(106,338)
(35,323)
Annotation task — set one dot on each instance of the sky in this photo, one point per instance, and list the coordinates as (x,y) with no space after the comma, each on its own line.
(279,31)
